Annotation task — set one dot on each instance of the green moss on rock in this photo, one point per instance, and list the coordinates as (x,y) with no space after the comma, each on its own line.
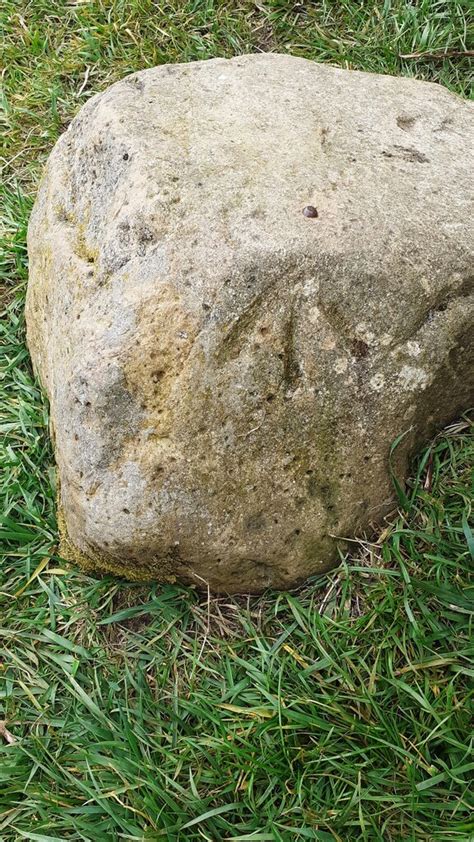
(100,563)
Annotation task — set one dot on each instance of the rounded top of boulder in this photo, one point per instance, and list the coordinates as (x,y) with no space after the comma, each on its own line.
(273,153)
(238,148)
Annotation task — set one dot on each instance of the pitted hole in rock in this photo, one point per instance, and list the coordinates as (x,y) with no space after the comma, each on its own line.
(359,349)
(406,123)
(158,375)
(312,486)
(255,522)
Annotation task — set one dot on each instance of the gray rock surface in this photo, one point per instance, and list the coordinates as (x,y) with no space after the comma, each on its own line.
(227,369)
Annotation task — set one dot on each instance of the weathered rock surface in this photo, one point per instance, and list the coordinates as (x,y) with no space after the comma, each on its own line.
(227,371)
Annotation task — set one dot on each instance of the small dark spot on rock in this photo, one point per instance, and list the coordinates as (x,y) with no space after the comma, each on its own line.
(270,398)
(312,486)
(447,121)
(310,212)
(359,348)
(125,156)
(126,511)
(405,123)
(255,522)
(411,154)
(407,153)
(144,234)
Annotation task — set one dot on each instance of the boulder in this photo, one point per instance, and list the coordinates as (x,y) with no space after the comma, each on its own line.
(247,278)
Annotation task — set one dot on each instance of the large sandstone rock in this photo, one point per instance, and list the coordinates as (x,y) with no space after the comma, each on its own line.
(226,368)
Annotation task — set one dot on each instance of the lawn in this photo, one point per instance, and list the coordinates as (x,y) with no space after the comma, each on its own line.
(342,711)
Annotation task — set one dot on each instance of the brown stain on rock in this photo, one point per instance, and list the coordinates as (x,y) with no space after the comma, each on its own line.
(155,361)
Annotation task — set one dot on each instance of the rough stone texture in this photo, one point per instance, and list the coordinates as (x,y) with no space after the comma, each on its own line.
(227,371)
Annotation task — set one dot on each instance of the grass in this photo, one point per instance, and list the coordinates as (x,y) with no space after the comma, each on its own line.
(339,712)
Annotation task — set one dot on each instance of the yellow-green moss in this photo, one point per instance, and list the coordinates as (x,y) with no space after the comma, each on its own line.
(100,563)
(82,248)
